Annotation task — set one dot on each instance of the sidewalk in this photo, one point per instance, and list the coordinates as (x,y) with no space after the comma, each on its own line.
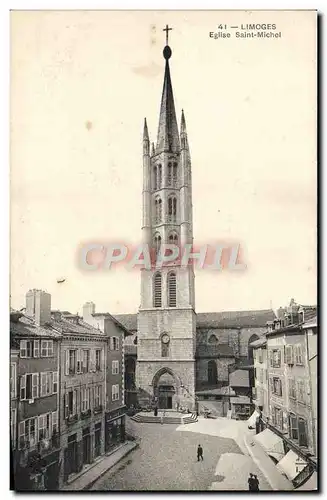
(275,478)
(87,478)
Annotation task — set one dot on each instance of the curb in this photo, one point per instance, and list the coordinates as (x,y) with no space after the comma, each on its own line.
(93,481)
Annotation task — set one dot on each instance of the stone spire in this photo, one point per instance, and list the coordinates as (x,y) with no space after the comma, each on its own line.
(168,137)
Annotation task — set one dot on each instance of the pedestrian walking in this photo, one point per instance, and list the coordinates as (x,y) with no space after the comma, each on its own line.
(251,482)
(200,453)
(256,483)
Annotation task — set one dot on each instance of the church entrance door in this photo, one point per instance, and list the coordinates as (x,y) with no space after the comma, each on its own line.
(166,393)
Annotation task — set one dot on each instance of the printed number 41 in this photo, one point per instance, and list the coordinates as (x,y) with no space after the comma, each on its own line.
(222,26)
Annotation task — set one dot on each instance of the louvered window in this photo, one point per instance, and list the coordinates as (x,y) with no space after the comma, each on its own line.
(172,290)
(157,290)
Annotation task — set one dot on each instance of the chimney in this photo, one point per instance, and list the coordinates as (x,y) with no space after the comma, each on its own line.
(38,306)
(88,310)
(30,303)
(42,307)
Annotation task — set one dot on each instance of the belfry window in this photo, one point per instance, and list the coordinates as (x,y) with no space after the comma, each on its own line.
(173,239)
(172,300)
(172,174)
(157,290)
(172,208)
(157,210)
(157,243)
(157,177)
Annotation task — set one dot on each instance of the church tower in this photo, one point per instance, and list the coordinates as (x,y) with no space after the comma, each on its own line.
(166,321)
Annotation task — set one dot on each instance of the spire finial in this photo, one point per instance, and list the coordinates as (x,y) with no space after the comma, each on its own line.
(167,29)
(183,124)
(167,49)
(145,131)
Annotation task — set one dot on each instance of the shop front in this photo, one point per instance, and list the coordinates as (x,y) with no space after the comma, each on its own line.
(115,429)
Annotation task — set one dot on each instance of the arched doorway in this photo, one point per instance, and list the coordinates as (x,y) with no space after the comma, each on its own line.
(165,388)
(212,373)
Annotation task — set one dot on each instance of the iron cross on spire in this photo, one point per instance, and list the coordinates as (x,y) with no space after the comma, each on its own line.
(166,29)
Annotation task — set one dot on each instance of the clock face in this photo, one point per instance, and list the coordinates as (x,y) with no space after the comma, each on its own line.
(165,339)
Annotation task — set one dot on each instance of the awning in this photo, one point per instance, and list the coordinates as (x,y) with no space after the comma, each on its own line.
(272,444)
(252,420)
(291,465)
(310,485)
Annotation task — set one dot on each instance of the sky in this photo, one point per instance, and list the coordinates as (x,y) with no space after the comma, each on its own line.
(82,83)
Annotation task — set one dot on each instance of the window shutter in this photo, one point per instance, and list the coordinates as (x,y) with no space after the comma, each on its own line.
(117,343)
(54,421)
(35,385)
(299,353)
(296,360)
(270,357)
(43,384)
(111,344)
(92,362)
(78,361)
(23,348)
(36,352)
(65,399)
(74,402)
(21,432)
(67,362)
(55,383)
(23,387)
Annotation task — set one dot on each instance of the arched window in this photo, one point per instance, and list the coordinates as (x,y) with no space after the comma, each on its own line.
(213,339)
(175,174)
(157,243)
(157,290)
(157,177)
(172,208)
(212,373)
(172,299)
(173,239)
(157,210)
(172,174)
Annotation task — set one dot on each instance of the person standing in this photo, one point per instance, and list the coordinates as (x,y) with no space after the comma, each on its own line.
(256,483)
(200,453)
(251,482)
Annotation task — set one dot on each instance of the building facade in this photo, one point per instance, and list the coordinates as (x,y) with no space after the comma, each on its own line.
(82,393)
(35,350)
(114,403)
(286,398)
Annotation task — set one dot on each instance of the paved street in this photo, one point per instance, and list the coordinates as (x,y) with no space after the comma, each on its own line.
(166,460)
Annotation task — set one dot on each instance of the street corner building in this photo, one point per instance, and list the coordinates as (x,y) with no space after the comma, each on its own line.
(67,392)
(285,393)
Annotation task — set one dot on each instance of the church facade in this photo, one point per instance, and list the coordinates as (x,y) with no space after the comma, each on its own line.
(175,353)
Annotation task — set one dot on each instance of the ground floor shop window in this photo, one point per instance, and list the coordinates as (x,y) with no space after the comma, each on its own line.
(71,455)
(115,433)
(86,445)
(97,439)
